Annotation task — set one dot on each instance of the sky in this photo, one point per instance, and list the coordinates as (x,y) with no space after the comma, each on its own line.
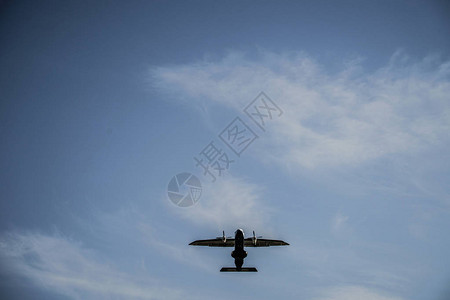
(102,103)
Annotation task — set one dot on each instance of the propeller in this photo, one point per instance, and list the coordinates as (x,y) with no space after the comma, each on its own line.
(255,238)
(259,236)
(223,237)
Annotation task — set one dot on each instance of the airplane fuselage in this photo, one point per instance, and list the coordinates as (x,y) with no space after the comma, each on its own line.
(239,253)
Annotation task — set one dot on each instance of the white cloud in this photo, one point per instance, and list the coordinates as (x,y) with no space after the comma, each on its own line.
(339,223)
(229,203)
(135,227)
(341,120)
(66,267)
(353,260)
(346,118)
(354,293)
(185,255)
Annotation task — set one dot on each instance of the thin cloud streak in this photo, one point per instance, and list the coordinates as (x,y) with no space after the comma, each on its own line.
(65,267)
(347,118)
(354,293)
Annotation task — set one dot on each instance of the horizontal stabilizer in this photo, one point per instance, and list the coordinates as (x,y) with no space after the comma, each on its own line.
(231,269)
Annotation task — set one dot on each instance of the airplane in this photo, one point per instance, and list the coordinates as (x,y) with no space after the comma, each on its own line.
(238,243)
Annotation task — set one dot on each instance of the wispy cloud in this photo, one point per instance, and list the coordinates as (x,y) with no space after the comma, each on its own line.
(338,224)
(185,255)
(334,123)
(160,238)
(331,119)
(347,255)
(66,267)
(228,203)
(354,293)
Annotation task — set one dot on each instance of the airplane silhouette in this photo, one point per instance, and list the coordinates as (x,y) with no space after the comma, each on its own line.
(238,243)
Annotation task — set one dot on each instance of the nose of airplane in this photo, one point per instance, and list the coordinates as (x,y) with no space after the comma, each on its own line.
(239,232)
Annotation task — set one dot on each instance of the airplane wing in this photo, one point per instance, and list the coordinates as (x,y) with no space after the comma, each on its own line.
(251,242)
(214,243)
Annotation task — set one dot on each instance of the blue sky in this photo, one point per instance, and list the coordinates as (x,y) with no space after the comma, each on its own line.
(103,102)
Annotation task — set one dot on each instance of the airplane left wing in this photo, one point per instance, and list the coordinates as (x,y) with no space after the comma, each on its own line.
(252,242)
(214,243)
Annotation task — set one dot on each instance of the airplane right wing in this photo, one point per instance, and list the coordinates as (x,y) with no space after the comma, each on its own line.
(252,242)
(218,242)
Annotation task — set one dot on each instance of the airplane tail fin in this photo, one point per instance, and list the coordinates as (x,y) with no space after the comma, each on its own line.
(232,269)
